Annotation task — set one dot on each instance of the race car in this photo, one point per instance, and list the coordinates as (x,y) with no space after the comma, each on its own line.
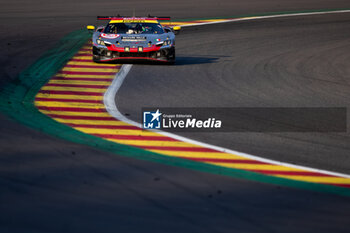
(133,38)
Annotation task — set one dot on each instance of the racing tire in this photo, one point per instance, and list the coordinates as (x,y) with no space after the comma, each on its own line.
(96,59)
(171,57)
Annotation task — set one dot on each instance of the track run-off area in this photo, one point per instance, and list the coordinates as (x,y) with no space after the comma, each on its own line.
(81,95)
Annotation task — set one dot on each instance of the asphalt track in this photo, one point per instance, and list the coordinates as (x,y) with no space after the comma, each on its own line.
(282,62)
(49,185)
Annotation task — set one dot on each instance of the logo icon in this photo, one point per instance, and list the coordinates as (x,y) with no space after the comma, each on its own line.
(151,120)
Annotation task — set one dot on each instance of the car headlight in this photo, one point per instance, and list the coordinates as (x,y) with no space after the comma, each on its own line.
(100,42)
(167,42)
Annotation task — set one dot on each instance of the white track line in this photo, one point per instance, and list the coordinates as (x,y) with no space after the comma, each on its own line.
(268,17)
(109,102)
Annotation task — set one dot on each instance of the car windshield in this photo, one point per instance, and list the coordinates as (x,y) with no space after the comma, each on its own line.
(134,28)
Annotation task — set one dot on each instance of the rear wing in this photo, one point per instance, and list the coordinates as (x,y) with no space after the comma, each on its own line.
(118,17)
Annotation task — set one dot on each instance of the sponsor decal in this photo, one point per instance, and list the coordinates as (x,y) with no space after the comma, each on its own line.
(134,20)
(109,36)
(133,38)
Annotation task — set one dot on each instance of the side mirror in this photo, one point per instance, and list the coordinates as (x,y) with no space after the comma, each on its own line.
(176,29)
(167,30)
(100,28)
(90,28)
